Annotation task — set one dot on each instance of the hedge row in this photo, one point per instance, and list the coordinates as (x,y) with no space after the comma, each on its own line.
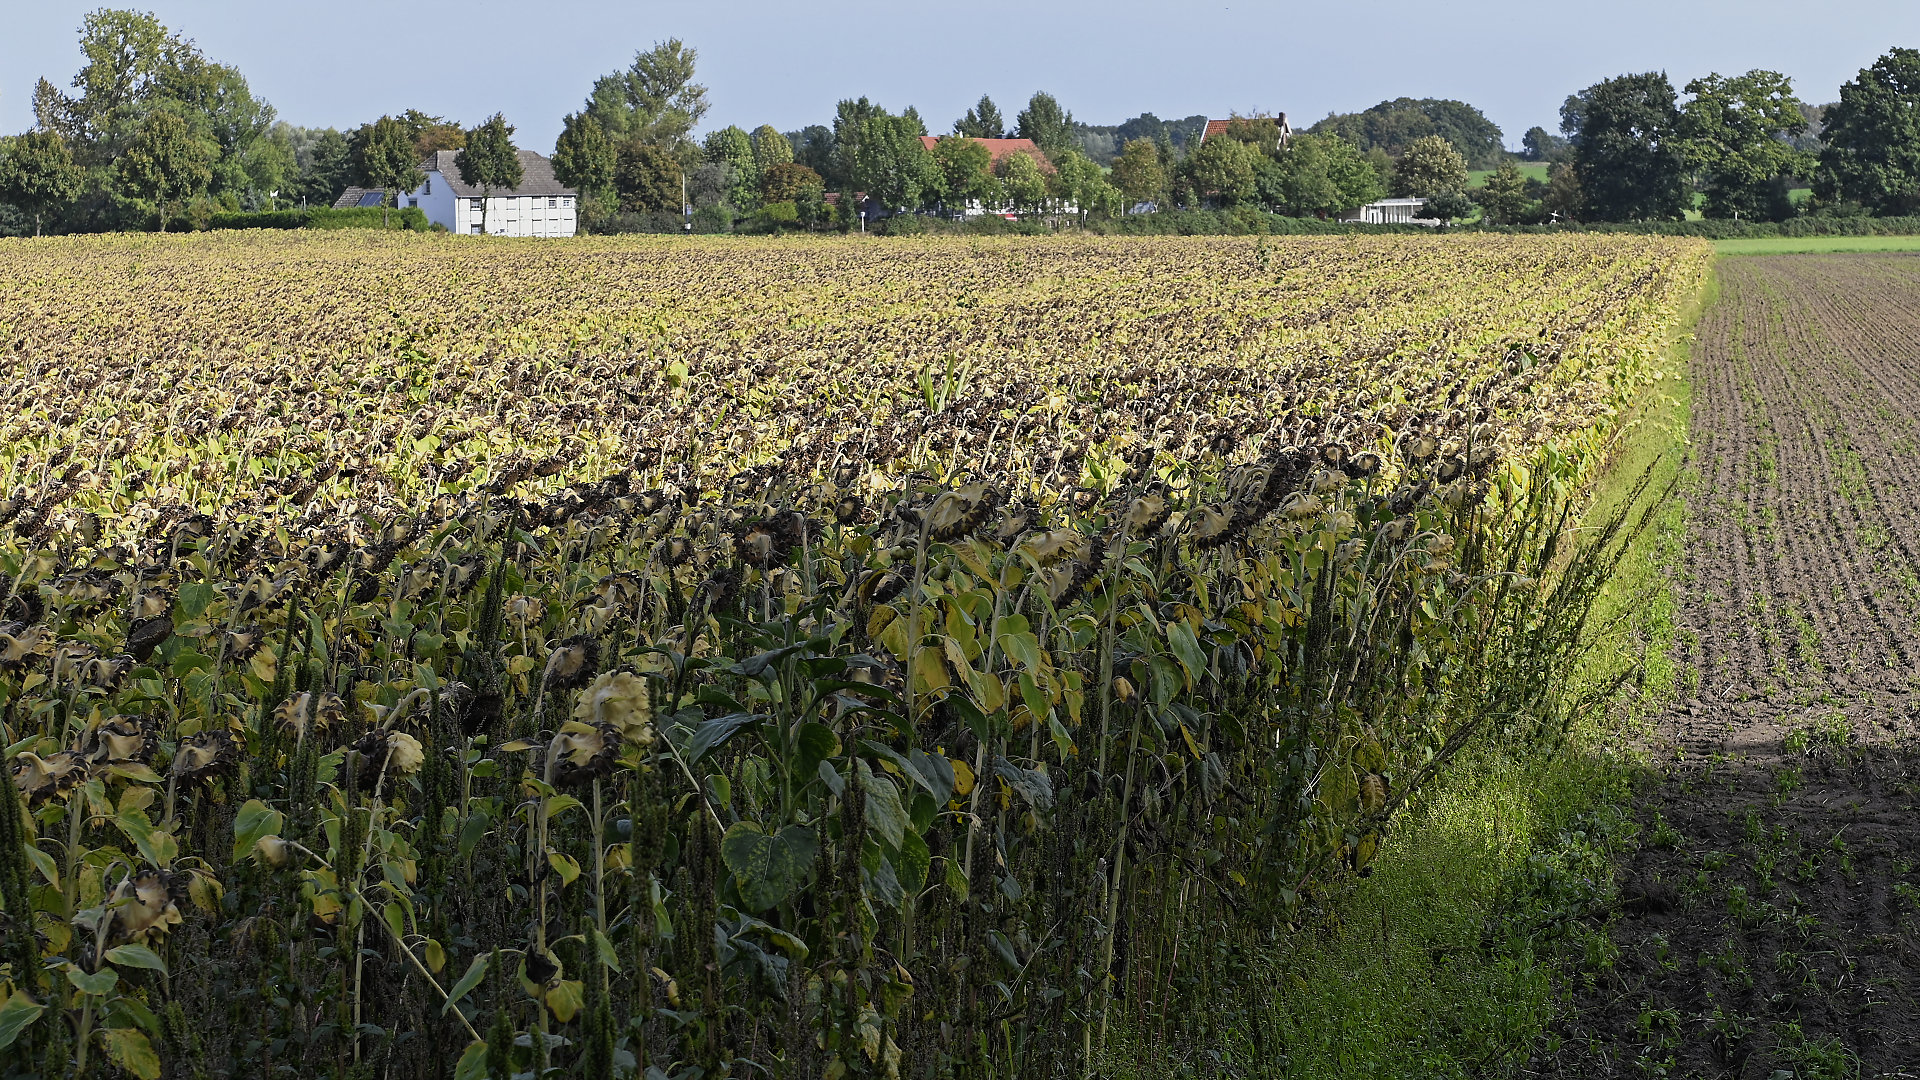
(411,218)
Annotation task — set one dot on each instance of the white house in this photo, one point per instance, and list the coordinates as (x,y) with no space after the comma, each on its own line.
(1391,212)
(540,206)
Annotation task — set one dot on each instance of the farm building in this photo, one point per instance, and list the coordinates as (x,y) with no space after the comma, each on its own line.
(1391,212)
(540,206)
(359,196)
(1001,149)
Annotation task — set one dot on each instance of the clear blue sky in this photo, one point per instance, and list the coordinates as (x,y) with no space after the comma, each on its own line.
(787,63)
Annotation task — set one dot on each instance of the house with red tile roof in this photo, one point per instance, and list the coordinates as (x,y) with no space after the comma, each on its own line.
(1219,127)
(1000,149)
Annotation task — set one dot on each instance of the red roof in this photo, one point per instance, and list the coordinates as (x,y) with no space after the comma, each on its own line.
(1000,148)
(1215,127)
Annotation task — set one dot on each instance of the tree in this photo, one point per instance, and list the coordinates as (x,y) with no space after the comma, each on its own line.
(1317,175)
(1504,198)
(1023,180)
(1448,205)
(770,148)
(1139,174)
(1871,151)
(983,121)
(37,172)
(848,117)
(813,147)
(1394,125)
(1564,200)
(1076,181)
(1046,123)
(733,147)
(1539,144)
(647,178)
(325,166)
(431,134)
(1430,164)
(1736,131)
(787,181)
(655,100)
(165,164)
(1627,149)
(1222,169)
(966,171)
(583,156)
(891,164)
(489,160)
(384,159)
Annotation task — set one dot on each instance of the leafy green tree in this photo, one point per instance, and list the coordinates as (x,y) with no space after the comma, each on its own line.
(647,178)
(1627,149)
(1871,154)
(165,165)
(733,147)
(1046,123)
(788,181)
(892,165)
(1024,182)
(1393,126)
(37,173)
(1447,204)
(983,121)
(848,117)
(1317,175)
(384,159)
(655,100)
(489,161)
(1430,164)
(1737,132)
(1564,200)
(1504,198)
(583,156)
(1139,173)
(127,55)
(770,148)
(813,147)
(1539,144)
(1078,182)
(966,172)
(1222,170)
(325,165)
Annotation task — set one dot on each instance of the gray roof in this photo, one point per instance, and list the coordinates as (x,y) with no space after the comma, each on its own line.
(359,196)
(537,176)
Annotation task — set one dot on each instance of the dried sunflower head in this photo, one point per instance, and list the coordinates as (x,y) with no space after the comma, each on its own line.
(20,643)
(1209,527)
(308,712)
(146,903)
(572,663)
(1054,545)
(1364,465)
(957,513)
(581,753)
(1146,514)
(40,779)
(241,643)
(106,673)
(122,740)
(620,700)
(382,751)
(200,757)
(70,660)
(146,635)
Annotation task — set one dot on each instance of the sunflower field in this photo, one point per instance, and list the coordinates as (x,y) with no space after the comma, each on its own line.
(424,657)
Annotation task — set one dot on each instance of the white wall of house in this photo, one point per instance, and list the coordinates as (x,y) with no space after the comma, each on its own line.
(435,197)
(506,215)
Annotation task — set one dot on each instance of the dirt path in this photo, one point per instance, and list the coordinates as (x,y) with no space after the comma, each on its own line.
(1768,925)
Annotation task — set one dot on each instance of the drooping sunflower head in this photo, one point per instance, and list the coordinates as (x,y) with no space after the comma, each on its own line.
(122,740)
(203,756)
(40,779)
(146,903)
(621,700)
(572,663)
(581,753)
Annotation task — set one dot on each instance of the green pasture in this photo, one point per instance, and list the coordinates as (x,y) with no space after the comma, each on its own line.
(1797,245)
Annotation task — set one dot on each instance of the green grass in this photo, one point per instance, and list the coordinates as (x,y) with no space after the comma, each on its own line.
(1533,170)
(1797,245)
(1445,961)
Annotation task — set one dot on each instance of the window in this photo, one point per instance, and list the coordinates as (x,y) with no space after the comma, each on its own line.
(475,229)
(478,204)
(428,190)
(552,202)
(413,202)
(567,201)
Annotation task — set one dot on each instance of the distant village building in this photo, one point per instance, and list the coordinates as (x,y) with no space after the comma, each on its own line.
(1391,212)
(359,196)
(540,206)
(1219,127)
(1000,149)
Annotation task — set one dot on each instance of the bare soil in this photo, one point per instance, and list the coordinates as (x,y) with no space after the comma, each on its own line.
(1766,926)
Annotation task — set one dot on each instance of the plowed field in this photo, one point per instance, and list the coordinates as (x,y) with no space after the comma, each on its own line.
(1767,924)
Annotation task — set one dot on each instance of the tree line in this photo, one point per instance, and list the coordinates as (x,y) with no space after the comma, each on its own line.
(152,133)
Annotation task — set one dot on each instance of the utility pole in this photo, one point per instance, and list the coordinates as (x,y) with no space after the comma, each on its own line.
(686,208)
